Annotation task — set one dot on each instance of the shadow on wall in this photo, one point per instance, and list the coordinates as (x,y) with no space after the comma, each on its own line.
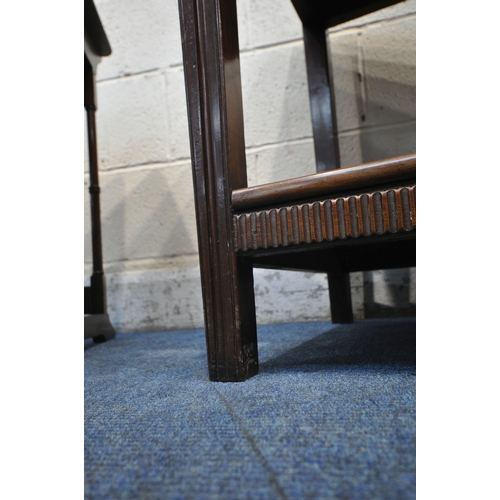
(145,215)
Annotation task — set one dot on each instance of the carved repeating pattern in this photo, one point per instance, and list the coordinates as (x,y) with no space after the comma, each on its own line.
(379,212)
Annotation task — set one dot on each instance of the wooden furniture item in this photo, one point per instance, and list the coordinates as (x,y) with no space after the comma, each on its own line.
(335,221)
(97,324)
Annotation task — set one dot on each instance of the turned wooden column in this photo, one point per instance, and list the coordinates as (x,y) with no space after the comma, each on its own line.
(98,293)
(96,46)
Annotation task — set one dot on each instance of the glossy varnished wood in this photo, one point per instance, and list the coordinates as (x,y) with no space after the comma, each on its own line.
(98,293)
(97,324)
(401,168)
(212,74)
(363,215)
(326,144)
(335,221)
(316,17)
(321,99)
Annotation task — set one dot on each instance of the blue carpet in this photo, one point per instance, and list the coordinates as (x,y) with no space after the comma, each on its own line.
(331,415)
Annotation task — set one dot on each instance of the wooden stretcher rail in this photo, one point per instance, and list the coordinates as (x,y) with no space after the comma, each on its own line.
(400,168)
(368,214)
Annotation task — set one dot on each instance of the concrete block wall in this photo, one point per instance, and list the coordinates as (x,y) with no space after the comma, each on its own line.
(149,230)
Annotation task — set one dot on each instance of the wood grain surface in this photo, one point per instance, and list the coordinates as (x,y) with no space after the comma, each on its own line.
(367,214)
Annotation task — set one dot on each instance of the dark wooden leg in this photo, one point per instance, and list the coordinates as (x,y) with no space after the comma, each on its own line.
(98,327)
(326,147)
(339,287)
(322,100)
(213,88)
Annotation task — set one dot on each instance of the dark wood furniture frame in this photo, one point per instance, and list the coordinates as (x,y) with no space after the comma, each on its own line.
(97,324)
(335,221)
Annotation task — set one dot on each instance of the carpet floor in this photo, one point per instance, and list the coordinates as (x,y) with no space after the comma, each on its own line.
(331,415)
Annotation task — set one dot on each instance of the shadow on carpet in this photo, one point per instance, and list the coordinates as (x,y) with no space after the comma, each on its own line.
(330,416)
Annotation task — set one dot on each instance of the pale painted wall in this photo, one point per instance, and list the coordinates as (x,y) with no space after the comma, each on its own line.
(149,230)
